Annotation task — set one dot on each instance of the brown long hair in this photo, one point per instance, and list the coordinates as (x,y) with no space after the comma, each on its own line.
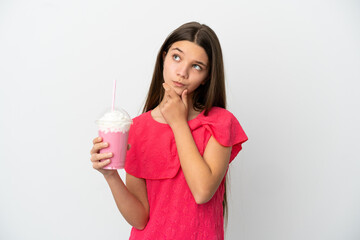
(212,93)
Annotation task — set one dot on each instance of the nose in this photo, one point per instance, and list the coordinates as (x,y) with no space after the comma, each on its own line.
(182,71)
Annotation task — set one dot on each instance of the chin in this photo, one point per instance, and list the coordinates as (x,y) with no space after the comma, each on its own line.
(179,91)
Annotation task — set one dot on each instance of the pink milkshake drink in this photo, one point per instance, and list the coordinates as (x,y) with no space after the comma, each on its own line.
(114,129)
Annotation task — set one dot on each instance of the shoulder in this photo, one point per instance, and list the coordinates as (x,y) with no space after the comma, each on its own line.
(219,114)
(225,128)
(142,120)
(215,110)
(139,125)
(141,117)
(153,152)
(144,125)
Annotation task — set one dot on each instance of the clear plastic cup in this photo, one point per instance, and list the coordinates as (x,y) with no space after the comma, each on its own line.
(114,128)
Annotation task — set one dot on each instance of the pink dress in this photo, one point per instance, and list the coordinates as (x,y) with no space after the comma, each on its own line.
(174,214)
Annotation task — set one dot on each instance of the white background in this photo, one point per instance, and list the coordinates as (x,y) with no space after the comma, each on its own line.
(292,71)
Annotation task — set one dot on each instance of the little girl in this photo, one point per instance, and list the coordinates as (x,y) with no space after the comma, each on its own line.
(181,146)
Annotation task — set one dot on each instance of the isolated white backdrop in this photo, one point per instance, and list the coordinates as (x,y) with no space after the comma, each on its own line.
(292,71)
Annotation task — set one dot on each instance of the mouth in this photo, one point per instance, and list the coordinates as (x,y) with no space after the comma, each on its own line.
(178,84)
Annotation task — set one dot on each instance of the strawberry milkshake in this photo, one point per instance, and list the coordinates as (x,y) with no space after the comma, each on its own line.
(114,129)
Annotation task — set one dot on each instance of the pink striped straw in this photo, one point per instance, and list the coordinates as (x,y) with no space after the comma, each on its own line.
(113,101)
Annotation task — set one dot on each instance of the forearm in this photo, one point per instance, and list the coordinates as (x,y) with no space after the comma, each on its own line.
(197,172)
(129,206)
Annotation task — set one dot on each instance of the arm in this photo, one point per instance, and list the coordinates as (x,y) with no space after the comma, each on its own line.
(202,174)
(131,199)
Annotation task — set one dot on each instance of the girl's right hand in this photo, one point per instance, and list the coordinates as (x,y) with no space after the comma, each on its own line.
(96,157)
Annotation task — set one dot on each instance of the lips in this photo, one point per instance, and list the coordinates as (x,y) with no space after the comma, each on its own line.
(178,84)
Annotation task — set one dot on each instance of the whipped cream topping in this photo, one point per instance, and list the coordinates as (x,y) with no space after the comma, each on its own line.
(115,121)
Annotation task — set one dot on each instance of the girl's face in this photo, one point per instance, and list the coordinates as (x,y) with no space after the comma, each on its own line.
(185,66)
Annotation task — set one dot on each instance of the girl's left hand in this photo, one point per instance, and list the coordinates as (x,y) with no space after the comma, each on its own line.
(173,107)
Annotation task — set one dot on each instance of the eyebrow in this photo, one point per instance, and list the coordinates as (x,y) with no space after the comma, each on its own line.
(198,62)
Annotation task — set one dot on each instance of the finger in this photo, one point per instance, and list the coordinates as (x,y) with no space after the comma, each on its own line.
(129,146)
(96,148)
(168,90)
(97,140)
(184,98)
(100,165)
(101,156)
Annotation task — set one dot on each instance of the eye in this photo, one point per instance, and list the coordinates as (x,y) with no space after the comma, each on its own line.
(197,67)
(176,57)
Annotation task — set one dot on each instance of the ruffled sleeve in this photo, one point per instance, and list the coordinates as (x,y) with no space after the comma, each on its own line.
(225,128)
(153,153)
